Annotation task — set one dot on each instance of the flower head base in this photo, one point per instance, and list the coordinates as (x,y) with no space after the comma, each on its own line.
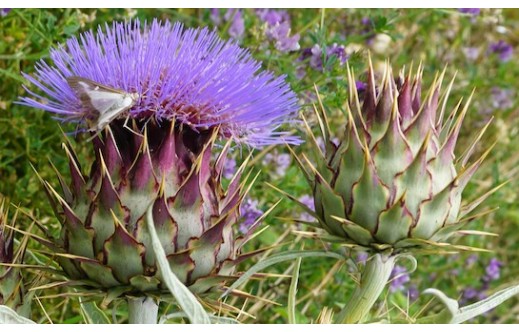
(393,181)
(104,241)
(189,75)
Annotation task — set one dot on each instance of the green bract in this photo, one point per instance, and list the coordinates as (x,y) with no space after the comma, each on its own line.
(105,243)
(12,292)
(393,180)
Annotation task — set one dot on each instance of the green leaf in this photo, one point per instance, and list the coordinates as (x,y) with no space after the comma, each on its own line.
(277,258)
(453,314)
(9,316)
(292,292)
(187,301)
(92,314)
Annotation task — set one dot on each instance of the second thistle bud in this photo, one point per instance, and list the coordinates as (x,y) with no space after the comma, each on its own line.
(393,181)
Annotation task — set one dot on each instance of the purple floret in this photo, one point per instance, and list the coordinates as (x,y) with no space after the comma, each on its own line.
(190,75)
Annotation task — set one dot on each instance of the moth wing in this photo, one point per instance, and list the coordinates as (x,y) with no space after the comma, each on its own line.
(94,95)
(104,101)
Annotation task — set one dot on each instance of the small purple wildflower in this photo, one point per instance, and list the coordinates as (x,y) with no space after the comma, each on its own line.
(413,293)
(229,168)
(471,260)
(470,293)
(360,86)
(309,202)
(278,29)
(280,32)
(339,51)
(471,11)
(250,213)
(214,15)
(316,55)
(493,270)
(366,21)
(189,75)
(362,257)
(503,49)
(399,277)
(237,27)
(4,11)
(502,99)
(272,16)
(471,53)
(279,161)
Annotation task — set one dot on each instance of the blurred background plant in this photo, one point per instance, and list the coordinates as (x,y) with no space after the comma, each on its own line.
(310,47)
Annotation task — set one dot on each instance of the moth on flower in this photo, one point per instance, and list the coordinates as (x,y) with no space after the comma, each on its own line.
(102,102)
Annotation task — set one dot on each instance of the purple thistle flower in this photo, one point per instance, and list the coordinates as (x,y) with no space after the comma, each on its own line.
(4,11)
(471,11)
(189,75)
(503,49)
(250,213)
(400,277)
(237,27)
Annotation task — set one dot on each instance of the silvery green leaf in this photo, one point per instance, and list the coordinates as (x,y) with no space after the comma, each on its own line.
(292,292)
(214,319)
(92,314)
(453,314)
(277,258)
(187,301)
(9,316)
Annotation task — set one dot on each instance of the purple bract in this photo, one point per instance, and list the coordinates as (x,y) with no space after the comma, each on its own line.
(190,75)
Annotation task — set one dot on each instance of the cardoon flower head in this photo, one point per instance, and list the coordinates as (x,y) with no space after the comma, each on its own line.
(187,88)
(503,49)
(189,75)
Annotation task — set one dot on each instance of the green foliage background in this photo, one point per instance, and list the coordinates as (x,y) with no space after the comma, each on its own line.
(436,37)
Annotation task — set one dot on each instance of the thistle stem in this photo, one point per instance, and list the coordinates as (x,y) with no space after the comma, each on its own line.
(142,310)
(372,282)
